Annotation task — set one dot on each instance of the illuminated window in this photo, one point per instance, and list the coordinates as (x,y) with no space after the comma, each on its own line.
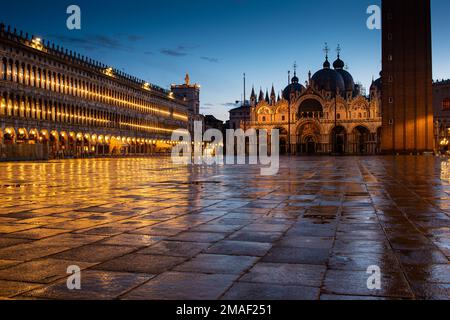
(446,104)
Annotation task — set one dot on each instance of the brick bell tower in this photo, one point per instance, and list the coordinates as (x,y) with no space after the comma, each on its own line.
(407,104)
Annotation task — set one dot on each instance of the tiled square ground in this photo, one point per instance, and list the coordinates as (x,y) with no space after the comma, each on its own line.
(147,229)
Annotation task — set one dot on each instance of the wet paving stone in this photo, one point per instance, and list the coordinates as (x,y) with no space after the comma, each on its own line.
(280,254)
(175,249)
(5,241)
(40,271)
(183,286)
(421,257)
(286,274)
(431,291)
(132,240)
(8,263)
(95,253)
(354,283)
(95,285)
(240,248)
(262,291)
(306,242)
(265,237)
(438,273)
(215,263)
(37,233)
(9,289)
(148,229)
(361,261)
(199,237)
(141,263)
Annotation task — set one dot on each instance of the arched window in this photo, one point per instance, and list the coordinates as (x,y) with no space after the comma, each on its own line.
(338,116)
(446,104)
(3,71)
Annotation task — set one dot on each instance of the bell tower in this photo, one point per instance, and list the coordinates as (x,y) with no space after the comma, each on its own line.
(407,104)
(189,93)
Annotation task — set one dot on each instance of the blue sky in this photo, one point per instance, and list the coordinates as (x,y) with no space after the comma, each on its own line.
(216,41)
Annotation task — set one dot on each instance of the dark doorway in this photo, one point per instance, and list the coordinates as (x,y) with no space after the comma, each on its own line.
(310,146)
(361,137)
(338,137)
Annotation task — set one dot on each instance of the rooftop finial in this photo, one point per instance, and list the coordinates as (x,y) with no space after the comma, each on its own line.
(187,79)
(338,50)
(326,50)
(295,68)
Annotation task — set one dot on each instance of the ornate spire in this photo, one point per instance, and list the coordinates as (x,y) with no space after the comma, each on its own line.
(295,78)
(267,96)
(253,95)
(338,64)
(326,64)
(261,95)
(326,49)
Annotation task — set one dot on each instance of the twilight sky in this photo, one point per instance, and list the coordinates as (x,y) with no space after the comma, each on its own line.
(216,41)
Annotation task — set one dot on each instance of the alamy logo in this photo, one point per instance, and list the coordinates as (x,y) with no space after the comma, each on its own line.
(374,281)
(374,20)
(74,280)
(209,148)
(74,19)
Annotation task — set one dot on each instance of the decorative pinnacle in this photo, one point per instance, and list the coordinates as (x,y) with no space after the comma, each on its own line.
(338,50)
(326,49)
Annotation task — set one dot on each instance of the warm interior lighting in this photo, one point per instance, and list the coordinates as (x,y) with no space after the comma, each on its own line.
(109,72)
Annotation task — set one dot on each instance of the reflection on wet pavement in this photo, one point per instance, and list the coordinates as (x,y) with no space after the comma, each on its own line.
(146,229)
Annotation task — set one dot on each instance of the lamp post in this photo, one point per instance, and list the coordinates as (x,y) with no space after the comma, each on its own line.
(289,115)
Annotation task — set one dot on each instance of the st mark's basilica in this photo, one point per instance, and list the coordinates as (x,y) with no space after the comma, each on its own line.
(330,114)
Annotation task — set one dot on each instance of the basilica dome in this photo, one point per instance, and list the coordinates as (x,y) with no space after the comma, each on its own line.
(349,83)
(328,79)
(293,88)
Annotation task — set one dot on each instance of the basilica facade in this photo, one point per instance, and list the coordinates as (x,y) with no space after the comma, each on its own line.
(327,115)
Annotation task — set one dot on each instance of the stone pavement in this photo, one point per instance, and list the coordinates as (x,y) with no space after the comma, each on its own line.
(145,229)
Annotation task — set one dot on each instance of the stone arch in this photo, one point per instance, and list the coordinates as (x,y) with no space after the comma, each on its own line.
(3,103)
(33,136)
(63,141)
(22,135)
(308,138)
(305,101)
(284,139)
(338,139)
(54,137)
(360,139)
(9,135)
(44,136)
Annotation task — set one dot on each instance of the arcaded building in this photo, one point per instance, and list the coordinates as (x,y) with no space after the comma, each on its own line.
(441,107)
(59,103)
(329,115)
